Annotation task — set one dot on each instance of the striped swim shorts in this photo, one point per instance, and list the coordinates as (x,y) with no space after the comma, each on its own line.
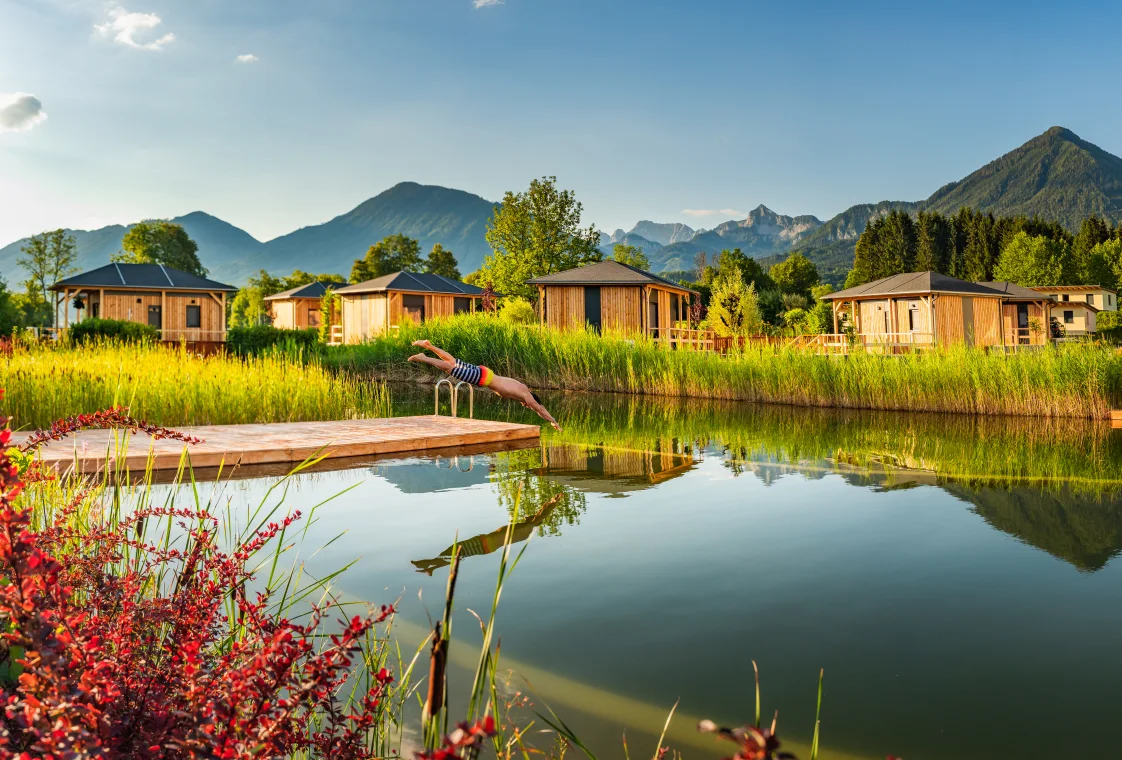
(469,373)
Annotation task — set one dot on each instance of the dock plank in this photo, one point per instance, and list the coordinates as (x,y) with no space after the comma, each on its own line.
(284,442)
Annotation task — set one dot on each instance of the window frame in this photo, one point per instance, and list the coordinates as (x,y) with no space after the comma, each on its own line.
(198,317)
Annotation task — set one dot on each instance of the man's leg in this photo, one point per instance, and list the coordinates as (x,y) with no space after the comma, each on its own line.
(436,350)
(440,364)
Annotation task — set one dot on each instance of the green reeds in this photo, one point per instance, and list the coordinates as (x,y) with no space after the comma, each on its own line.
(171,386)
(1077,380)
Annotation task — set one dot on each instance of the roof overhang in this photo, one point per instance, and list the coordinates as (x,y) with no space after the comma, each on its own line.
(57,287)
(593,284)
(347,292)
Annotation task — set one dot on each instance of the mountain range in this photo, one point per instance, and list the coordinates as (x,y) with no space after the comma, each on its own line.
(1056,175)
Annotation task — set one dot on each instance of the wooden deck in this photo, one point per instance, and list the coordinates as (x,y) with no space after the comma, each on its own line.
(287,442)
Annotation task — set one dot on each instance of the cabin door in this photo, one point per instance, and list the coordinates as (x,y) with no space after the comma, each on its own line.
(592,312)
(968,320)
(652,308)
(155,316)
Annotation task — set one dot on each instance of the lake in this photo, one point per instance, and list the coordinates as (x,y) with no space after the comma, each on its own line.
(955,577)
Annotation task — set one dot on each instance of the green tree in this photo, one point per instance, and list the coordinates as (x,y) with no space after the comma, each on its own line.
(394,253)
(300,277)
(796,275)
(1093,231)
(442,262)
(734,308)
(48,257)
(34,310)
(631,255)
(536,233)
(1105,265)
(10,317)
(159,242)
(1034,260)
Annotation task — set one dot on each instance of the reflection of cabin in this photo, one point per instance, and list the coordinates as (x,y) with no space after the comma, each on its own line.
(1076,307)
(182,306)
(928,308)
(374,307)
(298,308)
(611,471)
(614,297)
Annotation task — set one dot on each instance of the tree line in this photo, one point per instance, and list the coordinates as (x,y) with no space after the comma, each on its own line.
(980,247)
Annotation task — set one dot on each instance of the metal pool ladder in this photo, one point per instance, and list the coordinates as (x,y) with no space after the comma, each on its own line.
(453,396)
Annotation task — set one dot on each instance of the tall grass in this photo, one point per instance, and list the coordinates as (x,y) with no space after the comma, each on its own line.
(1079,380)
(172,386)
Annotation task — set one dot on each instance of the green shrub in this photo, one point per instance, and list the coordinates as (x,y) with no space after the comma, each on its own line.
(518,311)
(115,329)
(252,341)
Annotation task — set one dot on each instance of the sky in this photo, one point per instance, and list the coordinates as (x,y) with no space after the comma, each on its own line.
(277,114)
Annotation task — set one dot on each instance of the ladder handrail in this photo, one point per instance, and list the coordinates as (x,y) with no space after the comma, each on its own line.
(436,396)
(471,398)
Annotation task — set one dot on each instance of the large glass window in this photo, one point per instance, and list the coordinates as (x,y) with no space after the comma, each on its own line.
(194,316)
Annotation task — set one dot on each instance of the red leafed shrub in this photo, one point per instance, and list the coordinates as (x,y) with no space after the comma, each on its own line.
(114,647)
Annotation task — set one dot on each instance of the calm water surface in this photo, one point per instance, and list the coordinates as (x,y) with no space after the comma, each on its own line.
(956,578)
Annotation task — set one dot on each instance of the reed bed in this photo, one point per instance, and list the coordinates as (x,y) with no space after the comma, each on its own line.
(1081,380)
(171,386)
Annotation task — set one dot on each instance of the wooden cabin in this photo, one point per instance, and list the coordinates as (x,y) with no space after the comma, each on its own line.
(299,308)
(613,471)
(375,307)
(928,308)
(182,306)
(613,297)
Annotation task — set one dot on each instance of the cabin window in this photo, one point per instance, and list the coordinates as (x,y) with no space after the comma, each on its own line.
(413,307)
(461,305)
(1067,297)
(1022,316)
(913,318)
(1069,317)
(194,316)
(1091,299)
(313,317)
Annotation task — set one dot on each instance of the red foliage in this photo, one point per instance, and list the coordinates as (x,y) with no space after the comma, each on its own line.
(752,743)
(112,663)
(114,417)
(464,743)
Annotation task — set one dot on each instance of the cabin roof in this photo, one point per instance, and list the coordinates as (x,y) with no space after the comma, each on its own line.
(140,277)
(607,272)
(1080,304)
(1014,291)
(1070,288)
(413,282)
(311,290)
(914,283)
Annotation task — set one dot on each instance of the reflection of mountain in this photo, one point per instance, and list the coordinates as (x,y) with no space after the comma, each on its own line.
(1083,530)
(413,476)
(614,472)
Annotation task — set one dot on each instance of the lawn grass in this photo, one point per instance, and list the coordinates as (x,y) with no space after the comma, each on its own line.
(1078,380)
(171,386)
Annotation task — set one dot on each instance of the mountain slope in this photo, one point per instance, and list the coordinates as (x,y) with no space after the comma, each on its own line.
(431,214)
(228,252)
(1056,175)
(663,234)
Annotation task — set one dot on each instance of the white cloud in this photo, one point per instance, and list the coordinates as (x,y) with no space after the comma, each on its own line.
(485,3)
(20,111)
(247,58)
(733,212)
(124,27)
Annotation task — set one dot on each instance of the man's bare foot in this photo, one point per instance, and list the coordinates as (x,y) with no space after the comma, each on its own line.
(417,357)
(422,343)
(556,426)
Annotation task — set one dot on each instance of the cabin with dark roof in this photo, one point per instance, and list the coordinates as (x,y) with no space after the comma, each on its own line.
(182,306)
(928,309)
(377,306)
(613,297)
(299,308)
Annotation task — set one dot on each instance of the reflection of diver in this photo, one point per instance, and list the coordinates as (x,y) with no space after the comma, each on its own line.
(485,543)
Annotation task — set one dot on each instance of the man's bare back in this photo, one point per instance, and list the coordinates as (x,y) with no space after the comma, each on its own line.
(507,387)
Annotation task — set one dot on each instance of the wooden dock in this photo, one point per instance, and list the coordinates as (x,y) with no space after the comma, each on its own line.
(286,442)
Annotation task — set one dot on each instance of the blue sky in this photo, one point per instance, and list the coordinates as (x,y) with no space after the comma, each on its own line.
(646,109)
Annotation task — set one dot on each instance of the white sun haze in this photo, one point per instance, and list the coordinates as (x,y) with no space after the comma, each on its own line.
(20,111)
(485,3)
(124,27)
(247,58)
(712,212)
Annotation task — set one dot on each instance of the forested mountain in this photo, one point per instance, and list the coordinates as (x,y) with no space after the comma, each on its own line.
(430,214)
(1056,176)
